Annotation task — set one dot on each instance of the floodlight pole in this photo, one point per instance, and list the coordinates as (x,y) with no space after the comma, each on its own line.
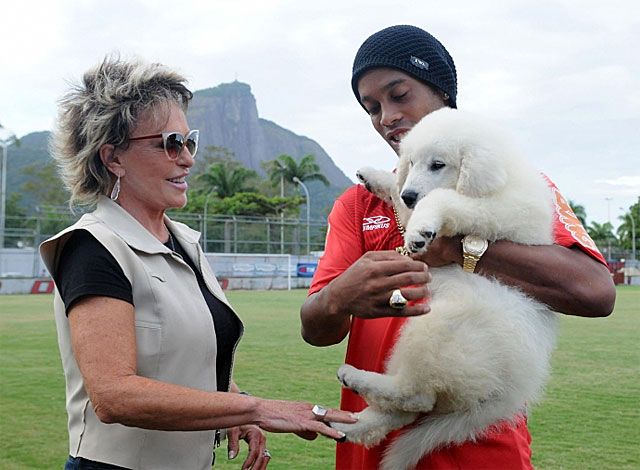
(3,198)
(281,166)
(633,236)
(306,191)
(608,199)
(204,226)
(633,233)
(6,138)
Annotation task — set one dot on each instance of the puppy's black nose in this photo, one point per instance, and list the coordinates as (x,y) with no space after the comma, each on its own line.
(409,197)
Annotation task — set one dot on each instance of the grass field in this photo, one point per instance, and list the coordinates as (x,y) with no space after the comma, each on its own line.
(589,420)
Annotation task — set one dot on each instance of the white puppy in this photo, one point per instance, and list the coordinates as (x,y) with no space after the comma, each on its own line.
(482,354)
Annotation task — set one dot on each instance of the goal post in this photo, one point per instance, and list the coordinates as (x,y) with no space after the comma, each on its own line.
(256,270)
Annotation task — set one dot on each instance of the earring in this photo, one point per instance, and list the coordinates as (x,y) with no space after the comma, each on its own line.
(446,97)
(115,192)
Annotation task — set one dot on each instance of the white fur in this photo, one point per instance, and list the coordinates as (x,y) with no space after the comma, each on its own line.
(482,354)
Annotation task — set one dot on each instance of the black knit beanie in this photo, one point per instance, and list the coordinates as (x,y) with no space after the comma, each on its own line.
(412,50)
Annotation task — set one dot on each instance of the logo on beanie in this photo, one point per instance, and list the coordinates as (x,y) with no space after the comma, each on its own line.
(421,64)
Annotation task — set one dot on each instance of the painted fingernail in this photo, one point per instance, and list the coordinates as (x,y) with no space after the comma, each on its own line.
(354,416)
(232,454)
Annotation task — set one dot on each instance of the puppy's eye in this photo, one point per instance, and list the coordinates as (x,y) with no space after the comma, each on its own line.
(436,165)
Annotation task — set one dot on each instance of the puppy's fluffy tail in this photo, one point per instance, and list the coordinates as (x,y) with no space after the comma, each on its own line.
(433,432)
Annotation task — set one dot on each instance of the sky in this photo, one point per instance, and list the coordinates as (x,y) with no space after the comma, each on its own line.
(561,77)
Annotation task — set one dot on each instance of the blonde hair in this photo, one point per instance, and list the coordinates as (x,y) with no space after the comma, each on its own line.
(104,109)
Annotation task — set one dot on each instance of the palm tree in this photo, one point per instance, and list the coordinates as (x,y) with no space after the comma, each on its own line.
(579,211)
(601,232)
(629,226)
(227,178)
(284,168)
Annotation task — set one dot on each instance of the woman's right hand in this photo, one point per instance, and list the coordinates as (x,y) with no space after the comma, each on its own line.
(296,417)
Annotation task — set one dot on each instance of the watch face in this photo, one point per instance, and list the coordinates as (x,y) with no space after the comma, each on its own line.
(474,245)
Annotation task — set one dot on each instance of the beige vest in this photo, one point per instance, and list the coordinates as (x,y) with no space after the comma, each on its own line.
(175,340)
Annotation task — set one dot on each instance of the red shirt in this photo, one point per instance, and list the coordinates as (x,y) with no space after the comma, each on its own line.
(360,222)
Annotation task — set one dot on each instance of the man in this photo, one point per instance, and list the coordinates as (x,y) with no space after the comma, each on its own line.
(401,74)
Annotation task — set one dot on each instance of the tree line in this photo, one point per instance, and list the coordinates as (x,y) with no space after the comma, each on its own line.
(217,180)
(219,184)
(222,185)
(603,234)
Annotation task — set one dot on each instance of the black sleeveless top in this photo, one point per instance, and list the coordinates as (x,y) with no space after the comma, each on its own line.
(86,268)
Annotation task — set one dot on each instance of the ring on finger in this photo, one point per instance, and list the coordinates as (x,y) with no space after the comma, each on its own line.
(397,300)
(319,411)
(266,453)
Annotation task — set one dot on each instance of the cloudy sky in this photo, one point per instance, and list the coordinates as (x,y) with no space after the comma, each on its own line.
(563,77)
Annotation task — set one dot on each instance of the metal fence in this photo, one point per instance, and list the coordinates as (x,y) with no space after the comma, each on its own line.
(220,233)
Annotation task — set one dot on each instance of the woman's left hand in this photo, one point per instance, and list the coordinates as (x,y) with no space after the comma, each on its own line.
(259,456)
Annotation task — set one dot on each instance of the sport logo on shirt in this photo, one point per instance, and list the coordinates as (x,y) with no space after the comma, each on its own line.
(571,222)
(375,222)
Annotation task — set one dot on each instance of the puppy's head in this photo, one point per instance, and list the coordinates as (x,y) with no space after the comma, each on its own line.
(451,149)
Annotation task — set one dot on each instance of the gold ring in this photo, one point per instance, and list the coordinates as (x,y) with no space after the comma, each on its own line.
(397,300)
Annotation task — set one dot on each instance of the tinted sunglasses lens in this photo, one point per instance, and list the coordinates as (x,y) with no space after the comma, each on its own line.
(192,142)
(173,145)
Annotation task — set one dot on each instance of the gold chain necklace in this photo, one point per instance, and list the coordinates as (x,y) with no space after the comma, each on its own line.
(400,249)
(400,226)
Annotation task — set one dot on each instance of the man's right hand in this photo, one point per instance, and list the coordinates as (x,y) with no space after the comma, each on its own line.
(363,290)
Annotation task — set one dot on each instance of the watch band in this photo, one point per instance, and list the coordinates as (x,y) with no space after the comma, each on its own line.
(469,262)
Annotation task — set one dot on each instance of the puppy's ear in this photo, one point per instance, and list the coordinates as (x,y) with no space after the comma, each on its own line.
(404,165)
(482,173)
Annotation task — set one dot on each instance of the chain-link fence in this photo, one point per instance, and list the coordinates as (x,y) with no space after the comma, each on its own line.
(220,233)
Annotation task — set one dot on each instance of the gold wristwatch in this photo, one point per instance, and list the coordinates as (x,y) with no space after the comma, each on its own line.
(473,247)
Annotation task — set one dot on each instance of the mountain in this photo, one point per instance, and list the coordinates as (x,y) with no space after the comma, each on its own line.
(227,116)
(32,149)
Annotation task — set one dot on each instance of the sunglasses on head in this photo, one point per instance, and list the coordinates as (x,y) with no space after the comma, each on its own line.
(174,142)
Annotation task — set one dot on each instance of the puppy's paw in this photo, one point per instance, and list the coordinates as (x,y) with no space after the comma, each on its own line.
(419,241)
(357,380)
(369,430)
(381,183)
(346,375)
(360,433)
(361,174)
(373,425)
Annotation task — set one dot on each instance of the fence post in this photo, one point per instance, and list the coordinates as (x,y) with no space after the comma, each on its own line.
(268,235)
(227,236)
(235,234)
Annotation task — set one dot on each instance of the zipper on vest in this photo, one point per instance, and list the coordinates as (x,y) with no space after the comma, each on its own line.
(235,346)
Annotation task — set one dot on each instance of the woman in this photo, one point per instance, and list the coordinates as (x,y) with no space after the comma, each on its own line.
(148,373)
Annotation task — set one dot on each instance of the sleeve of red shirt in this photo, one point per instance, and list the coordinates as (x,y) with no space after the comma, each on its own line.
(343,245)
(567,229)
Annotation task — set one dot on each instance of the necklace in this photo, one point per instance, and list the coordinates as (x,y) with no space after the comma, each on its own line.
(400,226)
(400,249)
(173,246)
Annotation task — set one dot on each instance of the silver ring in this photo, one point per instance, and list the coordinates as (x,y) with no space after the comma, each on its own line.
(266,453)
(319,411)
(397,300)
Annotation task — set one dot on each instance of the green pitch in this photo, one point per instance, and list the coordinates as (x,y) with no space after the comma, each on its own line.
(589,419)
